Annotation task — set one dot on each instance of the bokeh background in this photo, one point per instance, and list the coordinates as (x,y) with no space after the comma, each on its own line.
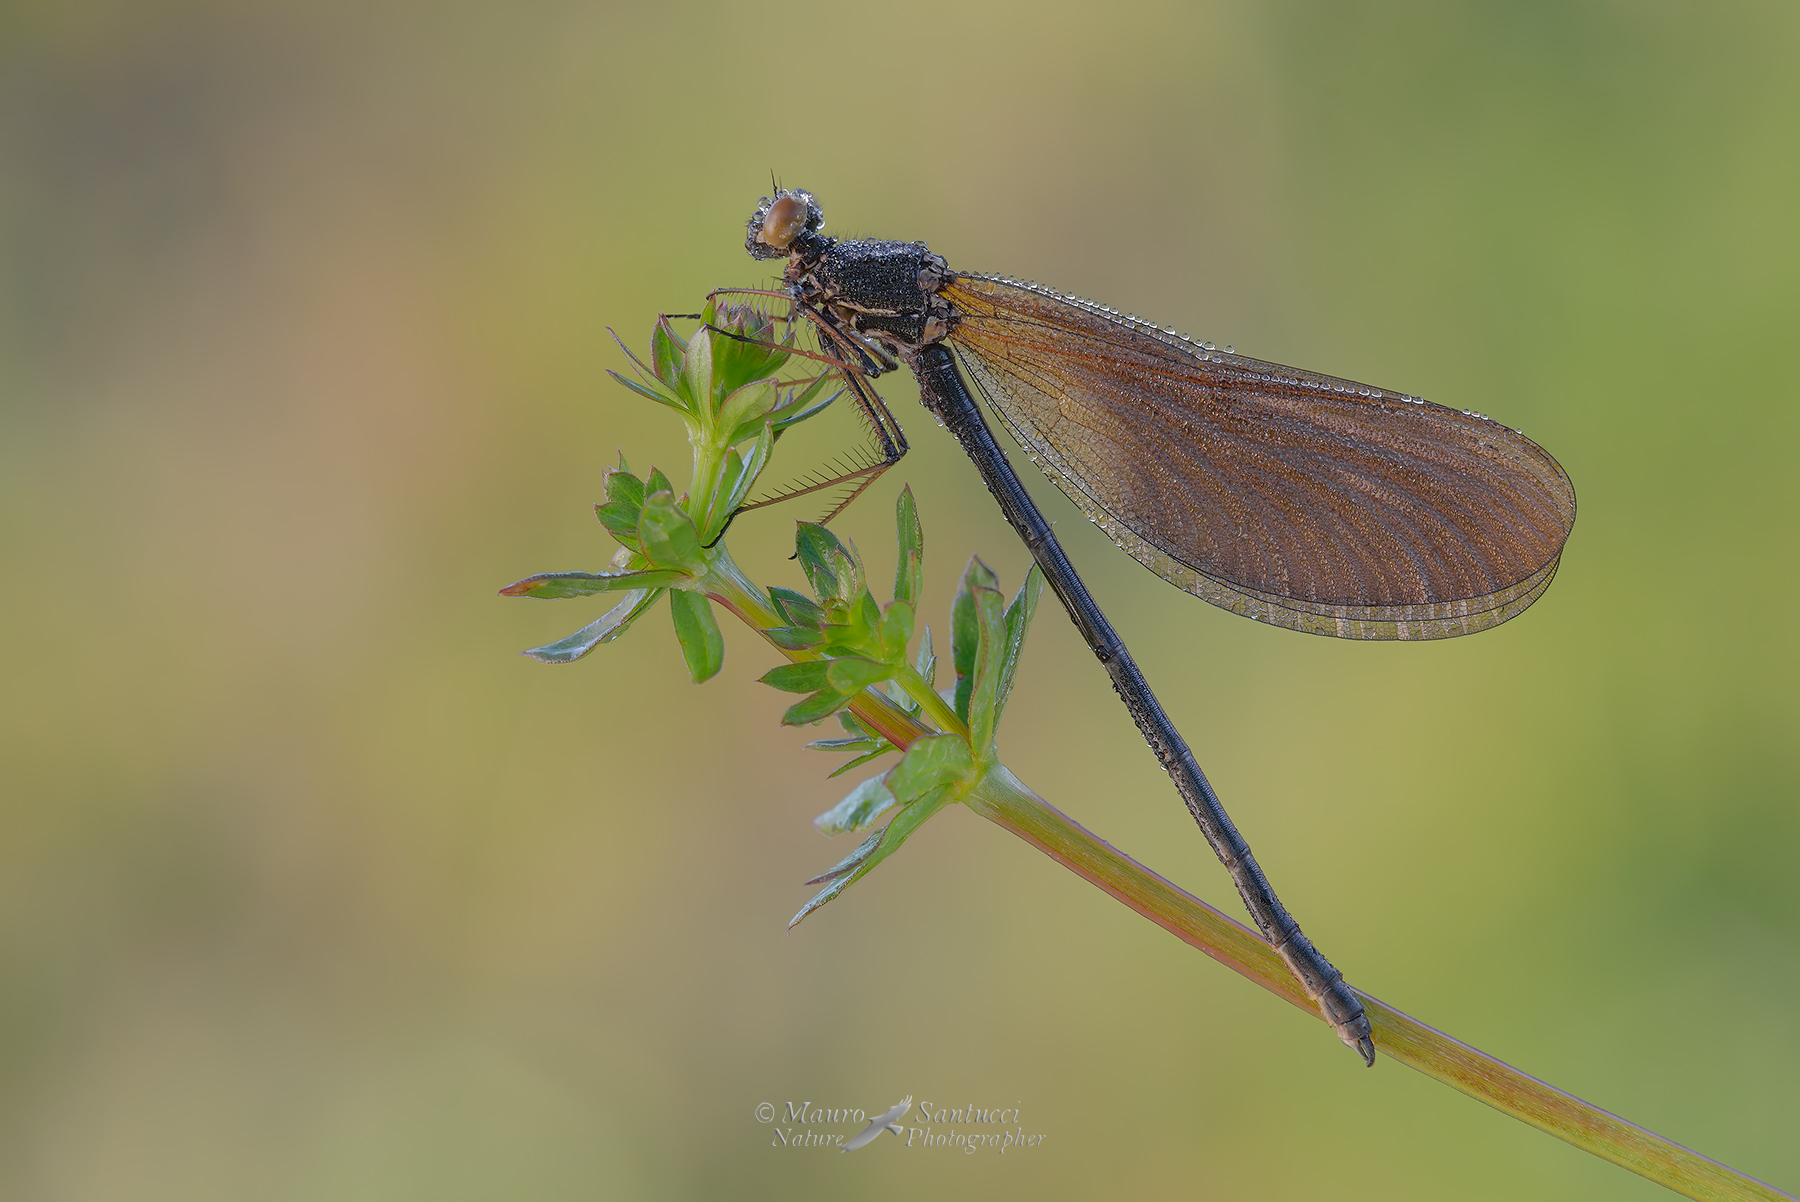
(311,889)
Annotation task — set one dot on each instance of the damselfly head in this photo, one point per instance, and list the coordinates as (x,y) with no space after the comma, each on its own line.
(780,221)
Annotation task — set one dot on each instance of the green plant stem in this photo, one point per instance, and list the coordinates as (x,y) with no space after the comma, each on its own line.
(920,690)
(1003,800)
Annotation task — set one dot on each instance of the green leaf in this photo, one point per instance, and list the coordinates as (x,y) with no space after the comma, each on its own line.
(909,578)
(825,560)
(865,620)
(701,643)
(620,519)
(819,706)
(748,357)
(656,395)
(746,408)
(805,677)
(858,744)
(623,488)
(927,660)
(657,483)
(1018,623)
(624,501)
(794,638)
(852,673)
(717,510)
(668,534)
(931,763)
(837,872)
(859,809)
(965,631)
(875,848)
(797,608)
(608,627)
(860,760)
(896,631)
(735,478)
(695,383)
(800,404)
(667,350)
(754,463)
(990,653)
(556,585)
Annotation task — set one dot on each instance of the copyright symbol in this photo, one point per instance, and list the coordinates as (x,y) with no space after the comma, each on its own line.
(765,1112)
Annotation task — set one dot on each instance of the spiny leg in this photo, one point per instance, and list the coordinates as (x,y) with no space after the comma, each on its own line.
(872,360)
(892,446)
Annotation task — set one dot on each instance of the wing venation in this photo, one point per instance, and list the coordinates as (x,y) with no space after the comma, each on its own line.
(1303,500)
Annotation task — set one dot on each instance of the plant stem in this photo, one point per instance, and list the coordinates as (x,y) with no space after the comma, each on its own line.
(1003,800)
(920,691)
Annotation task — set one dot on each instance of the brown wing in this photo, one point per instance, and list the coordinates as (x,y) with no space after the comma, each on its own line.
(1290,497)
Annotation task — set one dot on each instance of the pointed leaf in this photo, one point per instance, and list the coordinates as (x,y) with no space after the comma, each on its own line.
(736,477)
(556,585)
(623,488)
(794,638)
(859,809)
(860,760)
(965,631)
(873,850)
(717,509)
(1018,623)
(608,627)
(859,744)
(657,483)
(754,463)
(661,398)
(695,382)
(822,557)
(990,653)
(797,608)
(908,570)
(805,677)
(819,706)
(668,534)
(843,867)
(927,660)
(667,350)
(620,520)
(701,643)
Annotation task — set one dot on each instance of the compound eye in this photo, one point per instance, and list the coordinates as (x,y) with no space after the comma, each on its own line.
(785,222)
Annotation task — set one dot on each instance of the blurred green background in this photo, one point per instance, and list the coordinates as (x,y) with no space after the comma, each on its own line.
(311,889)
